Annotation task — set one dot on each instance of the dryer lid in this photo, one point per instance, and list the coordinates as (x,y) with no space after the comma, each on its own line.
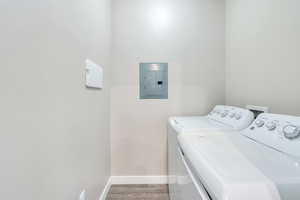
(233,167)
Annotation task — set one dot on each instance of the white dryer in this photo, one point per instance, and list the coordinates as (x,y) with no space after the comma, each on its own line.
(261,163)
(220,118)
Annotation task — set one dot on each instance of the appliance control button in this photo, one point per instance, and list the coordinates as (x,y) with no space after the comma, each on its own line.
(271,126)
(291,132)
(238,116)
(224,114)
(232,115)
(259,123)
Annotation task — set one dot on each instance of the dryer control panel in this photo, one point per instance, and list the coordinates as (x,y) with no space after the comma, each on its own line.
(237,118)
(281,132)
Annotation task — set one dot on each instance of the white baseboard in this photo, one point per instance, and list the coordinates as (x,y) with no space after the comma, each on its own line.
(105,190)
(122,180)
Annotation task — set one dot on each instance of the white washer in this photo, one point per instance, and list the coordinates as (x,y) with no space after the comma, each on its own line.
(220,118)
(261,163)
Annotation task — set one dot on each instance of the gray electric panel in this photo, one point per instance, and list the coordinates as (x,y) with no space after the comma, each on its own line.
(153,80)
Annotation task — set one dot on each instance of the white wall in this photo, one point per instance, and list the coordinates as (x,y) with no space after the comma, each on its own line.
(263,62)
(54,133)
(189,35)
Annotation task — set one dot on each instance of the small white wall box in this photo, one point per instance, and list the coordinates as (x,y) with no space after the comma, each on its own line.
(94,75)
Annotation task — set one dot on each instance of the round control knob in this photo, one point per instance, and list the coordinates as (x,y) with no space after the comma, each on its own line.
(291,132)
(224,114)
(232,115)
(259,123)
(271,126)
(238,116)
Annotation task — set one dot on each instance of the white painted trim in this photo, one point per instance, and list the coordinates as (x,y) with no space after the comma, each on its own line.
(106,189)
(122,180)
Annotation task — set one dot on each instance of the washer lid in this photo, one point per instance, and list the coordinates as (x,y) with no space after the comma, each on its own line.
(195,124)
(233,167)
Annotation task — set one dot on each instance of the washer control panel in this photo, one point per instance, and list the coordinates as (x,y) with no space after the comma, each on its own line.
(237,118)
(281,132)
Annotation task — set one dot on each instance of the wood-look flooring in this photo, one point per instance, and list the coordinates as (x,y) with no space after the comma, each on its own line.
(138,192)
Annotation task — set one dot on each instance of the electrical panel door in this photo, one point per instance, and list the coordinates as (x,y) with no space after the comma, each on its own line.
(154,80)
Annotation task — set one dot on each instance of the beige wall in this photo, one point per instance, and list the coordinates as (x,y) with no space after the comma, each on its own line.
(263,62)
(54,133)
(189,35)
